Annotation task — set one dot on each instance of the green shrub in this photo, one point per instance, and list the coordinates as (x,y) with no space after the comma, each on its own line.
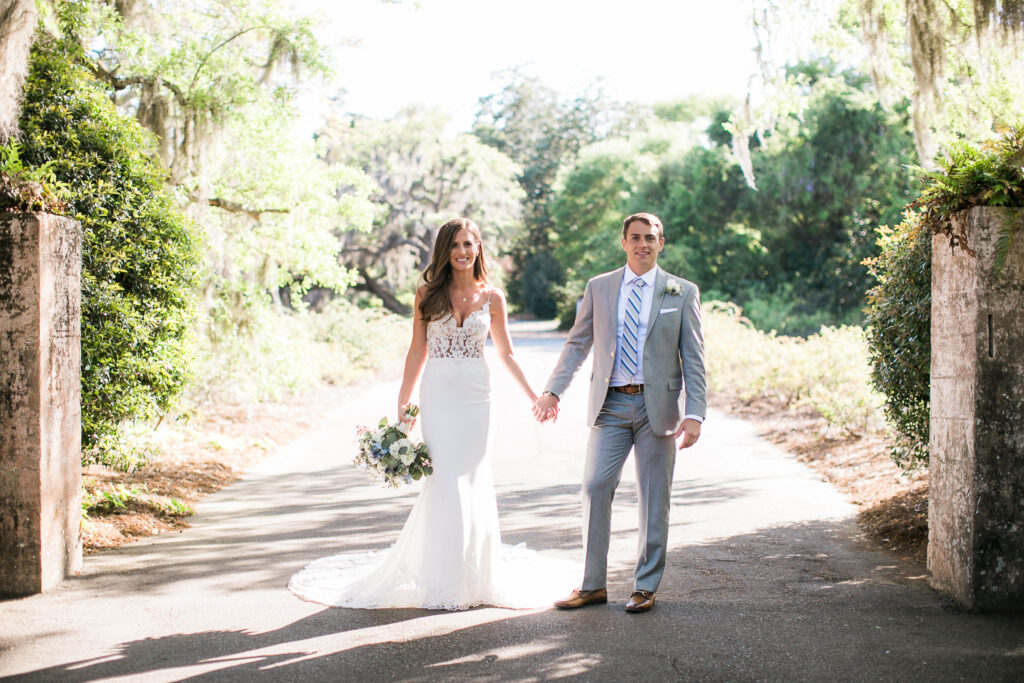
(139,253)
(28,189)
(899,334)
(282,353)
(991,174)
(540,275)
(828,371)
(899,306)
(783,311)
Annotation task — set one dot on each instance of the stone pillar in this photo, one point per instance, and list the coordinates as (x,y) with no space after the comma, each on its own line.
(976,497)
(40,401)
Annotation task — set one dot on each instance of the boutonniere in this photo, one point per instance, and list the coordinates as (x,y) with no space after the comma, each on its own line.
(672,287)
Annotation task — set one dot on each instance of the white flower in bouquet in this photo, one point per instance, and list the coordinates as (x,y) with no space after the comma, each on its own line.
(404,450)
(388,453)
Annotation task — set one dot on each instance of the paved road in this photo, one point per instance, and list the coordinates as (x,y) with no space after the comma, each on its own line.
(769,579)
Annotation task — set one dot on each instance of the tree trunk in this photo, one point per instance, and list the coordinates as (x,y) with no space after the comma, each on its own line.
(17,28)
(373,286)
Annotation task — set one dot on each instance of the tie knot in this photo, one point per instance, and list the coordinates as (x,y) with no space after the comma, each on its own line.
(639,282)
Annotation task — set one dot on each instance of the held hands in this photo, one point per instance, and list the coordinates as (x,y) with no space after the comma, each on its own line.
(690,431)
(546,408)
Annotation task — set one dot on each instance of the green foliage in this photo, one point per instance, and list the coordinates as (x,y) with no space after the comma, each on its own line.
(790,253)
(990,174)
(105,501)
(27,188)
(420,177)
(188,70)
(693,191)
(899,306)
(963,80)
(783,311)
(692,108)
(828,371)
(540,276)
(899,334)
(294,351)
(540,132)
(824,182)
(696,195)
(589,206)
(216,82)
(139,251)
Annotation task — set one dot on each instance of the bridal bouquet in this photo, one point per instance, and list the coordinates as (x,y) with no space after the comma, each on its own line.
(388,453)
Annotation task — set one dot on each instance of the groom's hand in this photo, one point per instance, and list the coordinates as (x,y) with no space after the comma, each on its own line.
(545,407)
(690,431)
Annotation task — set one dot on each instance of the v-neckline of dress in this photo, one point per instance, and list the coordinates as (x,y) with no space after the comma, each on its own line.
(460,325)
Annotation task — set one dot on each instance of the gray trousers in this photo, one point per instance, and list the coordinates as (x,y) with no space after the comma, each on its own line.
(621,426)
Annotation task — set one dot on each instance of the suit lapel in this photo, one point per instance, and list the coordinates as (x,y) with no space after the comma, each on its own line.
(614,285)
(659,286)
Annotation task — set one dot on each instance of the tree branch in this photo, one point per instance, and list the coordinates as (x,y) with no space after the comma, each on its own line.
(235,207)
(121,82)
(371,285)
(224,42)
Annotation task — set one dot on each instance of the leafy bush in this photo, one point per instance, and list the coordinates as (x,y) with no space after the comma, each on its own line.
(540,275)
(139,251)
(899,306)
(899,334)
(828,371)
(28,189)
(286,353)
(991,174)
(782,310)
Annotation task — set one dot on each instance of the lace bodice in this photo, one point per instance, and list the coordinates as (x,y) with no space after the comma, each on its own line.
(445,339)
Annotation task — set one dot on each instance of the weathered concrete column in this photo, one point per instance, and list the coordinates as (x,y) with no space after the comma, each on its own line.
(976,497)
(40,401)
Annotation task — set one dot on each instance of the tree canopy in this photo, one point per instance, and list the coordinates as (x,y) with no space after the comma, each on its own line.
(421,178)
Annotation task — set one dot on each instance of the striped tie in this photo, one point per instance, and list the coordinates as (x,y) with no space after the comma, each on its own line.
(631,328)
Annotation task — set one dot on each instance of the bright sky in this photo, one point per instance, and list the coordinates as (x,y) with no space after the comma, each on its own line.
(446,53)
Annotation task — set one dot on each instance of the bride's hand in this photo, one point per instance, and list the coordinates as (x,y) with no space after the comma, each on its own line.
(403,414)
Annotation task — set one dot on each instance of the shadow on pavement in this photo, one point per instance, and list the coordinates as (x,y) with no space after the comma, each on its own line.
(793,602)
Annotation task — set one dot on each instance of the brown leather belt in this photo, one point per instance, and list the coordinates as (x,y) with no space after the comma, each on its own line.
(629,389)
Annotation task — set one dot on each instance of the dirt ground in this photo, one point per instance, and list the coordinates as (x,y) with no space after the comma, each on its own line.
(893,504)
(202,456)
(217,445)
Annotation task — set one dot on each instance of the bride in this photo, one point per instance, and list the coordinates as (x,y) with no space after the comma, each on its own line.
(449,554)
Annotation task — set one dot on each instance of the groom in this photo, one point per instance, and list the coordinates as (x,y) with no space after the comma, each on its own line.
(647,389)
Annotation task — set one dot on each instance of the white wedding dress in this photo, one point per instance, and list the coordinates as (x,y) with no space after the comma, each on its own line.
(449,554)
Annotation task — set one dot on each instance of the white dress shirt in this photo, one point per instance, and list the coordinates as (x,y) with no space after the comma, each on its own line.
(619,377)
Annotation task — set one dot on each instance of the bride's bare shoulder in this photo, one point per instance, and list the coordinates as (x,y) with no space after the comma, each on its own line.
(495,296)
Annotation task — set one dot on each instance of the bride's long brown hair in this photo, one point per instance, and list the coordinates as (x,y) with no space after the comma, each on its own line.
(436,302)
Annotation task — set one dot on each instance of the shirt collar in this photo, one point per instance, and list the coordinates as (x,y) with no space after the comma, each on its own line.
(649,277)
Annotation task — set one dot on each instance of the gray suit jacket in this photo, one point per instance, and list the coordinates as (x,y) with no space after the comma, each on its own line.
(674,376)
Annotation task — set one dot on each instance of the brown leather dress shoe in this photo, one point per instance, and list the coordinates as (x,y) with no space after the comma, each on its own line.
(640,601)
(582,598)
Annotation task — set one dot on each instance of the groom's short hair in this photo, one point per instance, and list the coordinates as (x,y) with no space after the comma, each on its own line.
(648,218)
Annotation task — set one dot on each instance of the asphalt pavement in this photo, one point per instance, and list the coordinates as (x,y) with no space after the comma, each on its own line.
(769,578)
